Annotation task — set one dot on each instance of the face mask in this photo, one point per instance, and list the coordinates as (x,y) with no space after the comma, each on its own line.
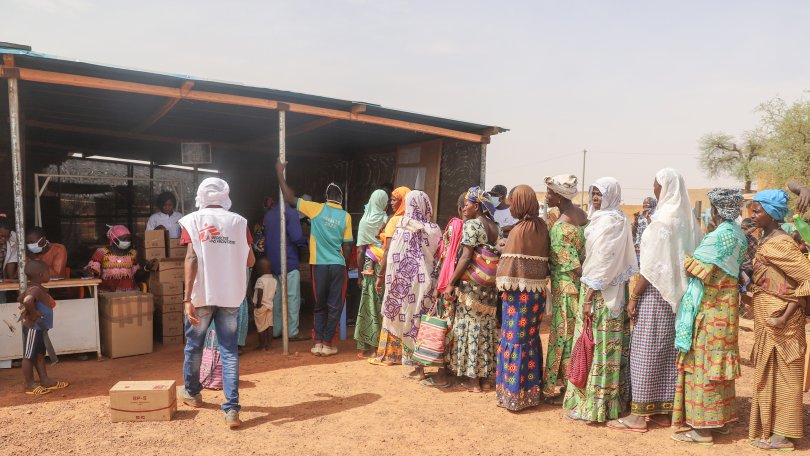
(496,201)
(123,245)
(34,248)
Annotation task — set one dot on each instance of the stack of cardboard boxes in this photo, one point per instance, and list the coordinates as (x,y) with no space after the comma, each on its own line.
(126,323)
(166,284)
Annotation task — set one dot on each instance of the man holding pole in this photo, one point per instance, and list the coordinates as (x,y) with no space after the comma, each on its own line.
(329,246)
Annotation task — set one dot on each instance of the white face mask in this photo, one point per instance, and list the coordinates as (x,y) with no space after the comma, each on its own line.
(35,247)
(123,245)
(496,201)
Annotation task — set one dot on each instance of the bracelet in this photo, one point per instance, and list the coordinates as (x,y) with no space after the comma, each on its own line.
(186,300)
(633,297)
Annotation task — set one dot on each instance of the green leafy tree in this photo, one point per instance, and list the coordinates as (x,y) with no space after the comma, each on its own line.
(722,155)
(786,152)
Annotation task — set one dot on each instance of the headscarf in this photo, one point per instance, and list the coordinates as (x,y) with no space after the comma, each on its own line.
(409,286)
(213,191)
(564,185)
(373,219)
(400,193)
(524,261)
(774,202)
(641,225)
(448,250)
(610,257)
(476,195)
(673,234)
(116,231)
(727,201)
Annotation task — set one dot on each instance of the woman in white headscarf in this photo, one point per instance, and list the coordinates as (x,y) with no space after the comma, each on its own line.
(610,261)
(672,235)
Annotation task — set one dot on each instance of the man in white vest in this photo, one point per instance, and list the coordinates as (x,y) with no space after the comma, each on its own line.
(217,259)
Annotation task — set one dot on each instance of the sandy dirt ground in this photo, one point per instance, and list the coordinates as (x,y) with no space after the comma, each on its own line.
(300,404)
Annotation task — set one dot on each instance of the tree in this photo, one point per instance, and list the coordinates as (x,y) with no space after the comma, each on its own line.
(722,155)
(786,152)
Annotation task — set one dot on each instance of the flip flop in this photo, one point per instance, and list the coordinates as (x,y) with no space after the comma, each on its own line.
(721,430)
(430,383)
(38,391)
(763,444)
(687,437)
(59,385)
(620,425)
(377,362)
(663,424)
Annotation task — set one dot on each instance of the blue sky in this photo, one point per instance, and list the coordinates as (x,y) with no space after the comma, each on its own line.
(635,83)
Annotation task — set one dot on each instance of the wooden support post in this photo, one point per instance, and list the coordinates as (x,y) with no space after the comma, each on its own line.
(282,157)
(16,171)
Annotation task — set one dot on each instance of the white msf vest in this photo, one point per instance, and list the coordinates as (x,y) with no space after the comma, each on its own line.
(219,238)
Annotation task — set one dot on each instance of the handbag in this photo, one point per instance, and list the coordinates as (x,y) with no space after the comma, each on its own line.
(430,341)
(211,365)
(483,267)
(579,367)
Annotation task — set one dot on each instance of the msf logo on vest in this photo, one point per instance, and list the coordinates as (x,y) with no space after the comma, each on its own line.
(210,233)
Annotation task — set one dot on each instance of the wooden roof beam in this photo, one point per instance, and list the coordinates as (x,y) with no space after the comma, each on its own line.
(163,110)
(49,77)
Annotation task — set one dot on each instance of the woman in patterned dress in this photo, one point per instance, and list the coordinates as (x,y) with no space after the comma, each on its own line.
(410,287)
(707,325)
(670,237)
(521,276)
(117,264)
(567,253)
(781,284)
(610,260)
(475,329)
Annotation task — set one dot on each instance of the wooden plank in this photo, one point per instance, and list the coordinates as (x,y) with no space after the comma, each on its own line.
(163,110)
(49,77)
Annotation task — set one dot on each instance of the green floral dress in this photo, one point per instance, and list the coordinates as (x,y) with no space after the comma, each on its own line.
(567,252)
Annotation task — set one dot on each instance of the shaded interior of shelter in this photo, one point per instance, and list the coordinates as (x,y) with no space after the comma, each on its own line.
(64,127)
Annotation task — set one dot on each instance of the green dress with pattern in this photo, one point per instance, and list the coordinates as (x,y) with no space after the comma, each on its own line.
(567,252)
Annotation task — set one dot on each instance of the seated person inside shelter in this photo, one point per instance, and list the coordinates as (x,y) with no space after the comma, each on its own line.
(8,252)
(167,218)
(117,264)
(38,247)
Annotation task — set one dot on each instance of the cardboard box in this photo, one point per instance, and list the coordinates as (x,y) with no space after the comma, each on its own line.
(126,323)
(173,303)
(175,250)
(155,238)
(169,270)
(173,340)
(143,401)
(165,289)
(170,324)
(151,253)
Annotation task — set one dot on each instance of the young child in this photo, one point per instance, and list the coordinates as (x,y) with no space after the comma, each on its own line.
(37,316)
(264,292)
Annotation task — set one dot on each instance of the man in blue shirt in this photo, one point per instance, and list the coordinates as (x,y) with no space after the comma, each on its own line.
(272,243)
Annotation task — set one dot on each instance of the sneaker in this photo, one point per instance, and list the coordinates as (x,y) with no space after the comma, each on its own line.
(316,350)
(192,401)
(328,351)
(232,419)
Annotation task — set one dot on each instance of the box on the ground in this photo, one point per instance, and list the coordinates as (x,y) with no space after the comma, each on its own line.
(169,270)
(170,324)
(172,303)
(165,289)
(152,253)
(155,238)
(175,250)
(126,323)
(172,340)
(143,401)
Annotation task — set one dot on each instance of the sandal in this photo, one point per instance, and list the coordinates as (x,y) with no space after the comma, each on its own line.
(573,416)
(763,444)
(690,437)
(59,385)
(620,425)
(721,430)
(663,424)
(38,391)
(377,362)
(430,383)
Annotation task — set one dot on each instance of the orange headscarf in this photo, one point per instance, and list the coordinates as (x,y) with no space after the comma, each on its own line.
(393,221)
(400,193)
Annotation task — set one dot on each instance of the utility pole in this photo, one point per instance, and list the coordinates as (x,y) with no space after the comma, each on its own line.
(582,195)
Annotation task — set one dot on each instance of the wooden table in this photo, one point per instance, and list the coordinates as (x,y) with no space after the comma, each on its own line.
(75,321)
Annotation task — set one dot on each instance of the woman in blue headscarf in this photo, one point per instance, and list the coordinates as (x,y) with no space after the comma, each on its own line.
(780,282)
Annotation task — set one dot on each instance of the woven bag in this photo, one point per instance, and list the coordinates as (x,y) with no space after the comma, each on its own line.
(211,365)
(579,367)
(430,341)
(483,267)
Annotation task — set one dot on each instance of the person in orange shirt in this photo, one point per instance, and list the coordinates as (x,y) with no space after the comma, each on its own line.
(37,247)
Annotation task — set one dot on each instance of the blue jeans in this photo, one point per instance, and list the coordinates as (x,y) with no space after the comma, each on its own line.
(225,324)
(293,304)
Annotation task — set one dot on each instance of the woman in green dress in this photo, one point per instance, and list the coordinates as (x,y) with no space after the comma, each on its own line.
(567,253)
(369,250)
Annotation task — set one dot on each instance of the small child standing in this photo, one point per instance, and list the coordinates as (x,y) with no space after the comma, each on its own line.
(36,308)
(264,291)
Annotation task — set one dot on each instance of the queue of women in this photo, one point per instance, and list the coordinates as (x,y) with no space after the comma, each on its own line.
(656,300)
